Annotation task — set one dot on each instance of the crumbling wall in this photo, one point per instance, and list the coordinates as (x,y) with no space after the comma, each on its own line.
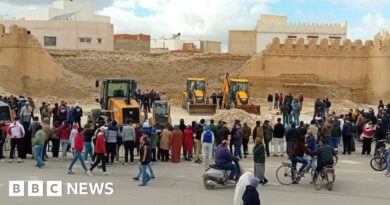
(350,68)
(22,57)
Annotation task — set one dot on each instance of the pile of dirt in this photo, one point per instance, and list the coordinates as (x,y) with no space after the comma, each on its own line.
(162,72)
(229,116)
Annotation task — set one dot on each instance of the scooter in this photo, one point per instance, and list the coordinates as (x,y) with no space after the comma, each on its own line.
(215,176)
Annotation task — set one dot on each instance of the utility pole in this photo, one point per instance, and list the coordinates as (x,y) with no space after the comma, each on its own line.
(2,15)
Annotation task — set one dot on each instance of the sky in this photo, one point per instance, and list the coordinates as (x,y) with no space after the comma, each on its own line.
(212,19)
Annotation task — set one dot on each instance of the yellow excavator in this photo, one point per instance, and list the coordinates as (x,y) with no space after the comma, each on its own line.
(117,101)
(195,98)
(236,91)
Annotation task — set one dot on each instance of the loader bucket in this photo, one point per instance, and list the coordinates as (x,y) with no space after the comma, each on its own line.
(202,109)
(253,109)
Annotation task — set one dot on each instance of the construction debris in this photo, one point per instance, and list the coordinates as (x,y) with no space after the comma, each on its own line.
(229,116)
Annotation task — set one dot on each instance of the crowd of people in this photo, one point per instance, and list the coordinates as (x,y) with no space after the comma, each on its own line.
(98,143)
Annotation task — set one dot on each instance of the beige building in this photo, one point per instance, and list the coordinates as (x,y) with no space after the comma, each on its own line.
(273,26)
(69,34)
(68,24)
(175,43)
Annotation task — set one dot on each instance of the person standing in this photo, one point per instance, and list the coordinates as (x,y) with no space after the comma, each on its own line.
(285,112)
(165,144)
(64,134)
(237,140)
(188,143)
(213,129)
(154,144)
(38,142)
(207,140)
(78,149)
(73,133)
(276,104)
(347,136)
(111,141)
(16,131)
(278,138)
(270,100)
(54,112)
(222,133)
(336,134)
(145,158)
(88,134)
(55,140)
(246,134)
(100,151)
(176,142)
(77,114)
(258,131)
(259,160)
(128,137)
(198,144)
(268,131)
(326,132)
(368,134)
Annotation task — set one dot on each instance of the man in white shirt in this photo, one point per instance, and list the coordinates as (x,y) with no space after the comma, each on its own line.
(16,132)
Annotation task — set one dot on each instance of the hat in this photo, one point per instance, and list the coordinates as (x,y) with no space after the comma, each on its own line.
(254,182)
(77,104)
(103,128)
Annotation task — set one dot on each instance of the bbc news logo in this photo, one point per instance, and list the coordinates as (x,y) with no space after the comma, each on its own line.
(55,188)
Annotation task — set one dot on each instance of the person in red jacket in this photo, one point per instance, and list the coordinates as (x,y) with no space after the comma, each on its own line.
(100,150)
(64,134)
(78,149)
(188,143)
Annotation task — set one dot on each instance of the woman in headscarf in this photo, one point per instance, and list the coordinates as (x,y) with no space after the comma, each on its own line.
(244,181)
(176,144)
(188,143)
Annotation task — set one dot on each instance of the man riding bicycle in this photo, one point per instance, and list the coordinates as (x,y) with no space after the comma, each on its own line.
(324,155)
(297,154)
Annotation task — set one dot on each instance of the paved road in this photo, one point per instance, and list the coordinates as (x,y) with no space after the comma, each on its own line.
(356,183)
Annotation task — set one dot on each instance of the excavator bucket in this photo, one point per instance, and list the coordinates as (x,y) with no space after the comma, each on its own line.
(202,109)
(253,109)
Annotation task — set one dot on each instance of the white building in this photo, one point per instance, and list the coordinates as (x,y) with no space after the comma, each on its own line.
(271,26)
(67,10)
(68,24)
(175,44)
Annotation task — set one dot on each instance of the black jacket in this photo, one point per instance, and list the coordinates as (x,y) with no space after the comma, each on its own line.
(324,154)
(293,135)
(145,151)
(251,196)
(347,129)
(222,134)
(279,131)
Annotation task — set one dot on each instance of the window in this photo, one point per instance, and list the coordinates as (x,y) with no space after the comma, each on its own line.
(312,36)
(50,41)
(99,40)
(85,40)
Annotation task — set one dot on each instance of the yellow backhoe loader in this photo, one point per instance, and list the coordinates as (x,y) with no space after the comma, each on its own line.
(195,98)
(235,93)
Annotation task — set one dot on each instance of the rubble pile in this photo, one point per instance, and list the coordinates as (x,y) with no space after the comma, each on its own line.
(229,116)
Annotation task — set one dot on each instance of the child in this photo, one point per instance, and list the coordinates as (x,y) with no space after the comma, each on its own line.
(78,149)
(259,160)
(100,151)
(38,142)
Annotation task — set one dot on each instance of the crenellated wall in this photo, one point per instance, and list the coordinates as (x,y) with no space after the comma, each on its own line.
(22,58)
(346,65)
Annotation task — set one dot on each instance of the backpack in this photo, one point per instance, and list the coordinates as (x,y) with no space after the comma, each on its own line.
(208,137)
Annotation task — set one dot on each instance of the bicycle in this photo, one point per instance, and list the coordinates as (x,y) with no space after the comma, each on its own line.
(379,163)
(286,175)
(327,175)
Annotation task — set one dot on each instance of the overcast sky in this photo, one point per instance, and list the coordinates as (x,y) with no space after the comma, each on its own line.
(211,19)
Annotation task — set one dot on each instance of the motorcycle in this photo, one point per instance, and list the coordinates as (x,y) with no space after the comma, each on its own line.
(215,176)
